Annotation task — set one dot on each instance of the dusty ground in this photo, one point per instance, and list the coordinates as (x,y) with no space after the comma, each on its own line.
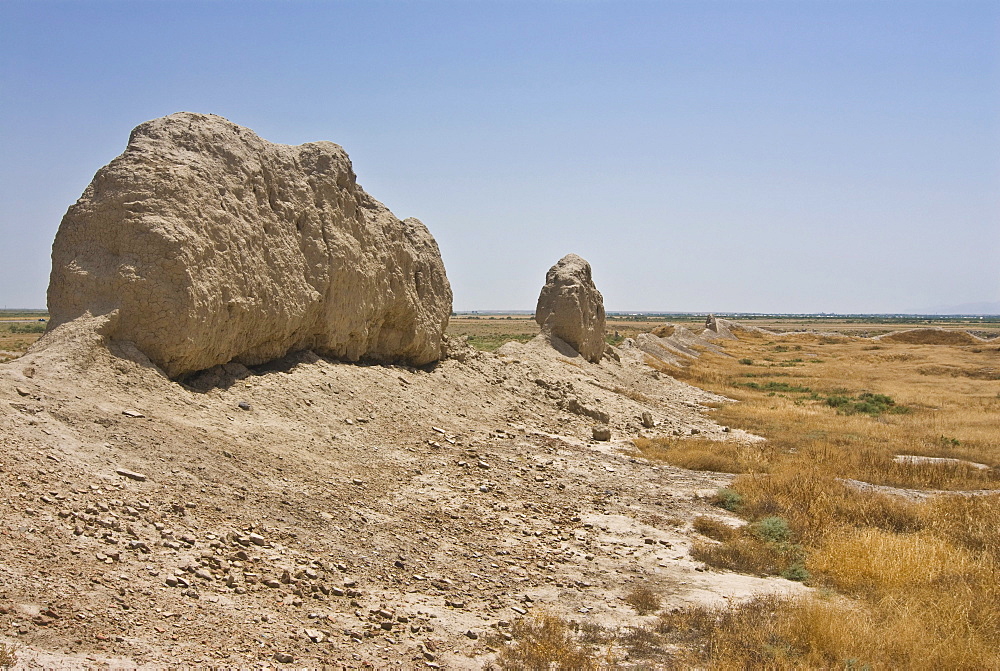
(345,515)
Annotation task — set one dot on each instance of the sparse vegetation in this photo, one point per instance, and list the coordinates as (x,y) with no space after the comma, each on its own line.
(701,454)
(541,643)
(8,655)
(17,336)
(713,528)
(34,327)
(763,548)
(913,583)
(644,600)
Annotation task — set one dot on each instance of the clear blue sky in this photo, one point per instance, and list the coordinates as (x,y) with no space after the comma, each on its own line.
(755,155)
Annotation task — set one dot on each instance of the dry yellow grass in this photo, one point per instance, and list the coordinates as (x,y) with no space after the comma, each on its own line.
(825,633)
(917,582)
(946,415)
(544,642)
(713,528)
(644,599)
(701,454)
(13,343)
(881,563)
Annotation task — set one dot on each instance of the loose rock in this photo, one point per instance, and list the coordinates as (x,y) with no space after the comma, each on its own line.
(602,432)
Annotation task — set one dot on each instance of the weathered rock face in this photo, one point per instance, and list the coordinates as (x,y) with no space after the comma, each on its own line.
(211,245)
(571,308)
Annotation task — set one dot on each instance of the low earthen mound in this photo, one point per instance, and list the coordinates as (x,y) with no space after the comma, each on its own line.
(571,308)
(931,336)
(205,244)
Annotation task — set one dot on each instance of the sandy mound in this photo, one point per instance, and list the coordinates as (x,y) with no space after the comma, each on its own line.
(675,345)
(207,244)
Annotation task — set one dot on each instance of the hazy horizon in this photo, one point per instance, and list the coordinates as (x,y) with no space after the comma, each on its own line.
(766,156)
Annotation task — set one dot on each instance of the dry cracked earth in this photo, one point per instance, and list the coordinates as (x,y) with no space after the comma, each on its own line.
(313,513)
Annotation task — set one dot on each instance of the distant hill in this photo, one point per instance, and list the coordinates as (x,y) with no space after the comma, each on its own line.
(981,308)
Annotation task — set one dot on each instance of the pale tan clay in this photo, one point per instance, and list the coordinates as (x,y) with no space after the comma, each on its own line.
(571,308)
(207,244)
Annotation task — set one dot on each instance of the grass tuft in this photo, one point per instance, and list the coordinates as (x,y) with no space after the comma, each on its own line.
(8,654)
(702,454)
(713,528)
(644,600)
(541,643)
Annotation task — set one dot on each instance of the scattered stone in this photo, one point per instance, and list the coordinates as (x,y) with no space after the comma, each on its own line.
(602,432)
(131,475)
(243,405)
(647,420)
(574,405)
(284,657)
(132,413)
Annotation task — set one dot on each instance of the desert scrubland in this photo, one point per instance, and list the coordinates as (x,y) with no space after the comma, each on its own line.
(253,434)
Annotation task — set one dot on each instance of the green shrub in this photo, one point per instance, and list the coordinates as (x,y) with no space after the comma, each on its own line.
(771,529)
(865,403)
(746,362)
(727,499)
(796,572)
